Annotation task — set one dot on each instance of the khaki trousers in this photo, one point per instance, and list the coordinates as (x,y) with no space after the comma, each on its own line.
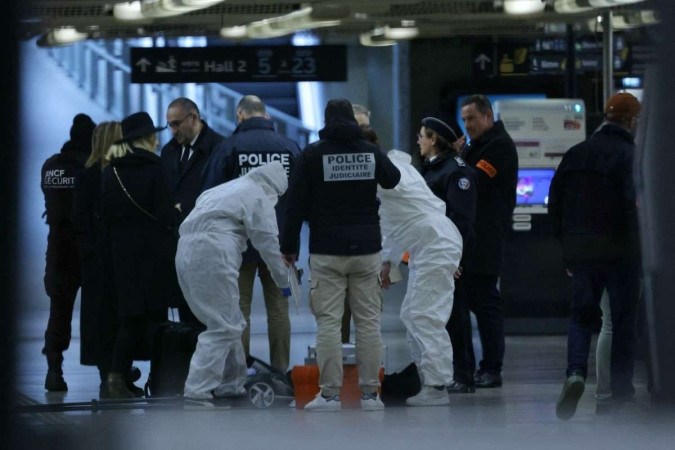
(276,305)
(356,277)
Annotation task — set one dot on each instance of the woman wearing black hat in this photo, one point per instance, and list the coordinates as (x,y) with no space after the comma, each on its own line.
(139,220)
(454,182)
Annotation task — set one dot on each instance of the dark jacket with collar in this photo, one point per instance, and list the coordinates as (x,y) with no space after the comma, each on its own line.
(334,187)
(253,143)
(142,248)
(186,187)
(592,199)
(454,182)
(495,161)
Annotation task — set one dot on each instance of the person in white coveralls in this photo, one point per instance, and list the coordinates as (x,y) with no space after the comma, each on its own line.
(412,218)
(212,239)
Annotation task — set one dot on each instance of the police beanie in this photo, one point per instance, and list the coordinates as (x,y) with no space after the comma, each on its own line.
(82,128)
(622,106)
(441,128)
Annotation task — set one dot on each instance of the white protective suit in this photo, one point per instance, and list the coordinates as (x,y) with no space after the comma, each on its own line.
(412,218)
(212,239)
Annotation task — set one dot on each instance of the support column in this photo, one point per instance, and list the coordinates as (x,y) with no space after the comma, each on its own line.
(607,57)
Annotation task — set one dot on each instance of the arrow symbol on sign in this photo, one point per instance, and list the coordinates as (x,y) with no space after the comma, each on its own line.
(143,63)
(482,59)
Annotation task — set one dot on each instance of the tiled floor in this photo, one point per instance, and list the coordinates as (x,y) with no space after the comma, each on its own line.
(519,415)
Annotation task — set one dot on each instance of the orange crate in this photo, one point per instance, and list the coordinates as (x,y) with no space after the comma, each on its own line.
(306,385)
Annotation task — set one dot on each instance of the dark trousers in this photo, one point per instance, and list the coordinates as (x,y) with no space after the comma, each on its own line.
(62,281)
(135,336)
(486,303)
(459,330)
(622,281)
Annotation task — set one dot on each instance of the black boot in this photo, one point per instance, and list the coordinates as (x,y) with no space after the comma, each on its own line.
(54,381)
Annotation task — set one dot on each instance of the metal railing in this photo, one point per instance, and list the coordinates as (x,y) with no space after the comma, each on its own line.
(99,68)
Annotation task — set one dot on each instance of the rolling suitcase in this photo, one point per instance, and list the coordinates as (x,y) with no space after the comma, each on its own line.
(173,346)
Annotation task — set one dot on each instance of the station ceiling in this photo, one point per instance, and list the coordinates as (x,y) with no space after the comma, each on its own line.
(433,19)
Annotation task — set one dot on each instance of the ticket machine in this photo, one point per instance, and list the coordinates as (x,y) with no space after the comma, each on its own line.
(534,285)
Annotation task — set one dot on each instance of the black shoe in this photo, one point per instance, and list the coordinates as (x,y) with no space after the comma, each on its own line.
(134,374)
(488,380)
(569,397)
(54,381)
(460,388)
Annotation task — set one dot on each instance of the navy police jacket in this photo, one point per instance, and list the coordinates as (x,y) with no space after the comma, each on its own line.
(253,143)
(334,187)
(454,182)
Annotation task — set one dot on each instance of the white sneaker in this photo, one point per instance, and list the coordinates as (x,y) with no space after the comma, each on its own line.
(371,402)
(429,396)
(322,404)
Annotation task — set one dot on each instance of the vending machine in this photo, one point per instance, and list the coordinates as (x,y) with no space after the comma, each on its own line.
(534,285)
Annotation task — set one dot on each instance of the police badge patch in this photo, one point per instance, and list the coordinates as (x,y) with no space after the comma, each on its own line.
(464,183)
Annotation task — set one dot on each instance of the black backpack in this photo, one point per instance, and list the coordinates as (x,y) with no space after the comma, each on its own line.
(398,386)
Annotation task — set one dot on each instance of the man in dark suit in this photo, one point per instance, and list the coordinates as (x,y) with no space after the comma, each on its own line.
(183,159)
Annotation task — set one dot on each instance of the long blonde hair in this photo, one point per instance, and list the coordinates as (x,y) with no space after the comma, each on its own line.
(102,138)
(148,142)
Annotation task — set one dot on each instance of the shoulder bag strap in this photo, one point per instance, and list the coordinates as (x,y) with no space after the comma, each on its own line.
(131,198)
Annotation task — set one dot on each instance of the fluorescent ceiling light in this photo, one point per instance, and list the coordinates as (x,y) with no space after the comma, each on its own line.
(128,11)
(400,32)
(61,36)
(375,38)
(522,7)
(150,9)
(305,18)
(608,3)
(570,7)
(233,32)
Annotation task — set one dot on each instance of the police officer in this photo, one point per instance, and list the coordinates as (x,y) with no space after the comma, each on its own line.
(454,182)
(253,144)
(183,160)
(334,187)
(493,156)
(62,274)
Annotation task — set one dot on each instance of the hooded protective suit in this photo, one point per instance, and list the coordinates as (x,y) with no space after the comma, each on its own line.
(212,239)
(412,218)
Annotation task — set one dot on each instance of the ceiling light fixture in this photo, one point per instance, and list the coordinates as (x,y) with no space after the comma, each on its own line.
(400,32)
(524,7)
(151,9)
(61,36)
(306,18)
(375,38)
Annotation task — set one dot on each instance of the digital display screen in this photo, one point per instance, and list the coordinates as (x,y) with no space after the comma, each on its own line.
(532,187)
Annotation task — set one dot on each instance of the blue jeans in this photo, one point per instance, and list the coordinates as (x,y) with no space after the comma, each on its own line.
(622,281)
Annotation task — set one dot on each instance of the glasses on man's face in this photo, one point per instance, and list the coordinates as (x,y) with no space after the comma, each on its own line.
(177,123)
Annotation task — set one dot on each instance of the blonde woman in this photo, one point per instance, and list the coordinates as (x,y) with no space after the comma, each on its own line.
(139,220)
(98,308)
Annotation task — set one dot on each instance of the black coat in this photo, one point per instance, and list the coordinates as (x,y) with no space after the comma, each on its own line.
(454,182)
(495,161)
(185,187)
(98,306)
(252,144)
(592,199)
(142,248)
(334,186)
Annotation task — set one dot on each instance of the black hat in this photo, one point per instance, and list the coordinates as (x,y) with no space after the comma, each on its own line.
(440,127)
(138,125)
(82,129)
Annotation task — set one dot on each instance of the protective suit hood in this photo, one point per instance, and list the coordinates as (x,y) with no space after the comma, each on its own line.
(271,177)
(400,157)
